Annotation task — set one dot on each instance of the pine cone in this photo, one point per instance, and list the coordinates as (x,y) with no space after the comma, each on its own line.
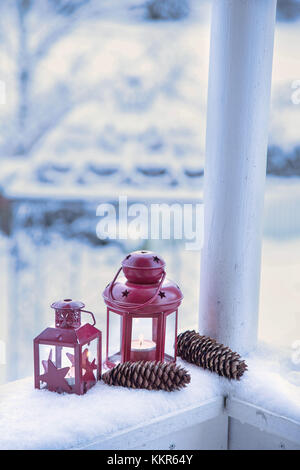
(151,375)
(207,353)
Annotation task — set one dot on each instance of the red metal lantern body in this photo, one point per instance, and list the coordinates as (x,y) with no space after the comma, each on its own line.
(67,358)
(142,311)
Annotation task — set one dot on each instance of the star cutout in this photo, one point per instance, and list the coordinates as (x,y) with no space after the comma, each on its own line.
(125,293)
(84,359)
(71,358)
(89,374)
(156,259)
(86,365)
(55,378)
(161,294)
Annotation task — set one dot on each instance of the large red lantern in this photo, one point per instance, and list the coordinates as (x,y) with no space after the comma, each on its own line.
(142,311)
(67,358)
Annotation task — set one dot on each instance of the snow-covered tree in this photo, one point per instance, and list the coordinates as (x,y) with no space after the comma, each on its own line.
(29,31)
(168,9)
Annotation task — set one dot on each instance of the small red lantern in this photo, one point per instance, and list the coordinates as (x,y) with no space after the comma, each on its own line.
(142,311)
(67,358)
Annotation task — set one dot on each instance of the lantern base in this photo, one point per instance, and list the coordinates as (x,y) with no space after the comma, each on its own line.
(169,358)
(112,361)
(116,359)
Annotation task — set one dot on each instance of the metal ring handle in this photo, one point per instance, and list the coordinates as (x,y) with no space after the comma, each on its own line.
(93,317)
(135,308)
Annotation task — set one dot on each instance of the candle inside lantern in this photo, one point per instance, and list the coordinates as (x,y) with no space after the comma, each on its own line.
(143,349)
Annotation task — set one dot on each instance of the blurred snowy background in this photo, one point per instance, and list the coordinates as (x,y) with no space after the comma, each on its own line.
(106,97)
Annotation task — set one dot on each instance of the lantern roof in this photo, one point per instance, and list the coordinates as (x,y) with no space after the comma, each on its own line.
(70,336)
(127,296)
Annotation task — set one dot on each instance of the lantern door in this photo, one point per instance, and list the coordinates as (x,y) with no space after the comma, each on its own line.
(170,348)
(54,368)
(114,338)
(89,364)
(143,338)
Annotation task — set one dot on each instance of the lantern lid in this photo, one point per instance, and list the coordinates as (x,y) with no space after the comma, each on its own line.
(143,267)
(68,304)
(144,287)
(143,259)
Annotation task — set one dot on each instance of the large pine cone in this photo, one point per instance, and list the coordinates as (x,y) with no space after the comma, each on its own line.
(150,375)
(209,354)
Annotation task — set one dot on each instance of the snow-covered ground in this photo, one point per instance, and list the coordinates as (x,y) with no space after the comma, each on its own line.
(267,384)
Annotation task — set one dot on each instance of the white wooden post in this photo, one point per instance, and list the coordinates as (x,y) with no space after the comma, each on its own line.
(242,36)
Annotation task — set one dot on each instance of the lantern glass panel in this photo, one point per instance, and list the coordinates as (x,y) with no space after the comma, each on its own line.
(170,337)
(46,352)
(143,339)
(61,357)
(68,360)
(89,361)
(114,337)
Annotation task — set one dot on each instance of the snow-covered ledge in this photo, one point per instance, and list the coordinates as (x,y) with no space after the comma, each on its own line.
(211,413)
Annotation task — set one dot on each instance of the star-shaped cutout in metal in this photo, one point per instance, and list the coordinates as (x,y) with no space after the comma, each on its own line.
(89,374)
(84,358)
(162,294)
(125,293)
(156,259)
(55,378)
(86,365)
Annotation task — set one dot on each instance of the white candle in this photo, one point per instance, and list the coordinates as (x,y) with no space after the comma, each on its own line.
(142,344)
(142,349)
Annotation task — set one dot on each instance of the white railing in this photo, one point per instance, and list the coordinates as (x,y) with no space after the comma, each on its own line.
(216,423)
(241,52)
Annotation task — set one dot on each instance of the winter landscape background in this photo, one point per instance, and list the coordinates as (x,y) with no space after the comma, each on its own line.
(108,97)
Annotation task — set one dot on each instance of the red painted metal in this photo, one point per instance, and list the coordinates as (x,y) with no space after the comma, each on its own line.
(68,353)
(143,298)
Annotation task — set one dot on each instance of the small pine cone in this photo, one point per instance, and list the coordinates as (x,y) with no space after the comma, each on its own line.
(150,375)
(209,354)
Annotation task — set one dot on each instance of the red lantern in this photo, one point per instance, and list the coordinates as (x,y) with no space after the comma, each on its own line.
(67,358)
(142,311)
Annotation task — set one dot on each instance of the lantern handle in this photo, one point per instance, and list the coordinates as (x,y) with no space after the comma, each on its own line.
(138,307)
(91,313)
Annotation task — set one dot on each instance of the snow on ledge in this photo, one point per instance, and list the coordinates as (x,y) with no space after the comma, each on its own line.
(38,419)
(34,419)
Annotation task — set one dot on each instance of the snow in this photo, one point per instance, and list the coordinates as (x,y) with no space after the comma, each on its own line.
(38,419)
(32,419)
(270,382)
